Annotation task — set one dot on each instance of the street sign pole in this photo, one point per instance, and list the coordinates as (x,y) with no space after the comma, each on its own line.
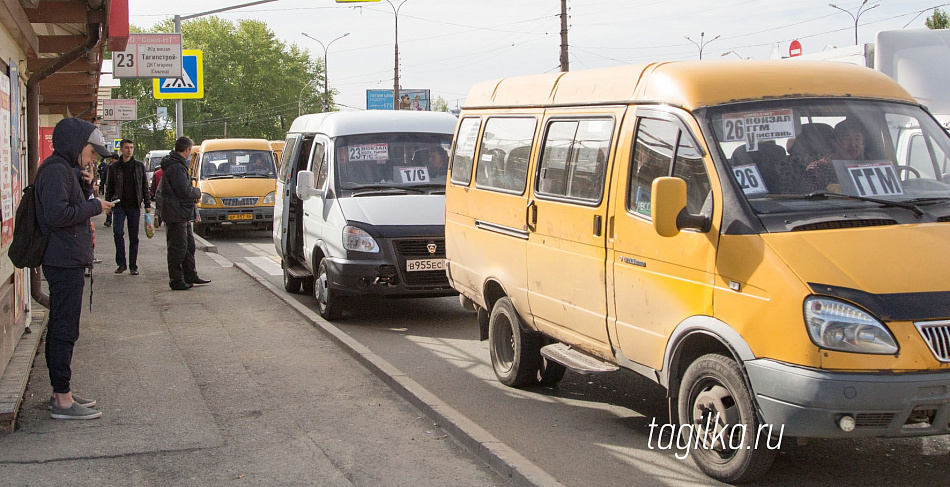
(179,124)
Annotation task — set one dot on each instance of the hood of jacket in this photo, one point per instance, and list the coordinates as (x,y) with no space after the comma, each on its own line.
(69,138)
(173,158)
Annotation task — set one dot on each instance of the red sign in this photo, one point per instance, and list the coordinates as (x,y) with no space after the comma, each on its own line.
(46,143)
(795,49)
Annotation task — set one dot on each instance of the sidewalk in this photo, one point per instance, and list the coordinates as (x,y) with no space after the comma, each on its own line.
(220,383)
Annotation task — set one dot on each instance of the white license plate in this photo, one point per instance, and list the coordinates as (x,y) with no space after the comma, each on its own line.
(425,265)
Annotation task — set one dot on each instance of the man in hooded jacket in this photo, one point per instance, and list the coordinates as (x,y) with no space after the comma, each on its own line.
(63,186)
(178,211)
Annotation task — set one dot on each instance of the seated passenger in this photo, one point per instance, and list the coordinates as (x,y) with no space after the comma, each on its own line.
(438,163)
(847,145)
(258,166)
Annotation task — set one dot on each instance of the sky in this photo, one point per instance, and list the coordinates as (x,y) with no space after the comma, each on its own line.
(447,46)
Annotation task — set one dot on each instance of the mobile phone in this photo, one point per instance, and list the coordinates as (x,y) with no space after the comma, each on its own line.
(115,201)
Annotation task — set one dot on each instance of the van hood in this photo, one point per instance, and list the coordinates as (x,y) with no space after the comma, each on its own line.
(401,210)
(891,259)
(227,188)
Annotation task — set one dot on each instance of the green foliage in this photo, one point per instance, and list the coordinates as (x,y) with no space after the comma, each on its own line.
(252,81)
(939,20)
(440,105)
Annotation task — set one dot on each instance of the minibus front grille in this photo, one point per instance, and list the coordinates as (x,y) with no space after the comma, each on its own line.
(873,420)
(419,249)
(836,224)
(944,219)
(937,336)
(240,201)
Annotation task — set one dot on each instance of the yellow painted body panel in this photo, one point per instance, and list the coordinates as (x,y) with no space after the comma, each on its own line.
(237,187)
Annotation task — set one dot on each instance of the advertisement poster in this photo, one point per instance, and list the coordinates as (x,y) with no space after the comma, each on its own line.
(417,100)
(6,163)
(46,143)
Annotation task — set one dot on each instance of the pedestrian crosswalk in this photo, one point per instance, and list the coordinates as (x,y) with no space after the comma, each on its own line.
(264,258)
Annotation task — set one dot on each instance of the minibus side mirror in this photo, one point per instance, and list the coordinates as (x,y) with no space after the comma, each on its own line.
(668,204)
(305,189)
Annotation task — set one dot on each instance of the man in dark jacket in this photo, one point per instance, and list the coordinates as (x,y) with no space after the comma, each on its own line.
(103,172)
(178,211)
(126,182)
(63,187)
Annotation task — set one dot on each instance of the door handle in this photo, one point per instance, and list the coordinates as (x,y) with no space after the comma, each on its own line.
(531,215)
(597,225)
(306,213)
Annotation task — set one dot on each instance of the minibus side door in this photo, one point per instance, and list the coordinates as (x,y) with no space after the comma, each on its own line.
(314,218)
(284,194)
(567,211)
(657,282)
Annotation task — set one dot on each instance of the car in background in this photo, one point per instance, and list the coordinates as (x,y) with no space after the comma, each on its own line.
(153,160)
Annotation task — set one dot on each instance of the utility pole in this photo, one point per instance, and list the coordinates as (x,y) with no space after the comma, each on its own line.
(396,62)
(565,62)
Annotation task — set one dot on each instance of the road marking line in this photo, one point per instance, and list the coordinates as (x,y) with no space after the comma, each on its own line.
(220,259)
(267,265)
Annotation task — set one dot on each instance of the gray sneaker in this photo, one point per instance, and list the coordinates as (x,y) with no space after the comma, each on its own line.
(75,412)
(82,401)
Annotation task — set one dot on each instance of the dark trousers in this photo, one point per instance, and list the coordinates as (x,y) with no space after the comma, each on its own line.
(62,329)
(180,240)
(121,215)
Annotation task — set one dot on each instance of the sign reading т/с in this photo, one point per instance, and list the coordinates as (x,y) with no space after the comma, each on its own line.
(149,56)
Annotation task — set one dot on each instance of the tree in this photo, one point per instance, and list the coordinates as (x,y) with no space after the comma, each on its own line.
(252,81)
(939,20)
(440,105)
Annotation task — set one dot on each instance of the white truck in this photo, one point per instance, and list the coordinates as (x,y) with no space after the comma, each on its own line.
(918,59)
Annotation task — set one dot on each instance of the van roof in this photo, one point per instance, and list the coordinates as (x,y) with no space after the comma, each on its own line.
(689,84)
(153,153)
(225,144)
(335,124)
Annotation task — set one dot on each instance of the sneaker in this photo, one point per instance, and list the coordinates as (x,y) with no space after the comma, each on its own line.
(97,261)
(75,411)
(82,401)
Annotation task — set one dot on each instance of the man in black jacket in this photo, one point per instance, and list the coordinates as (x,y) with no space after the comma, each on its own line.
(178,211)
(127,184)
(63,187)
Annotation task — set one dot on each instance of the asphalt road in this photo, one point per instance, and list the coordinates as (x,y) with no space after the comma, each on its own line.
(589,430)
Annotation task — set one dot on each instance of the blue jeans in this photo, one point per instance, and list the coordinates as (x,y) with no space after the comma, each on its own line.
(119,218)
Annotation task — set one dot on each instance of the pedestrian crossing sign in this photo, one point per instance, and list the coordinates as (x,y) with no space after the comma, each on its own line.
(191,83)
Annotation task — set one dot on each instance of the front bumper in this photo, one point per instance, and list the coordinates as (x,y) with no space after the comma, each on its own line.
(236,215)
(386,275)
(810,402)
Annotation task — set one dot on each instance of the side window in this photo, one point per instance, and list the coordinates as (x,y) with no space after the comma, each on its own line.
(652,158)
(318,164)
(288,151)
(464,155)
(503,157)
(919,157)
(574,159)
(688,166)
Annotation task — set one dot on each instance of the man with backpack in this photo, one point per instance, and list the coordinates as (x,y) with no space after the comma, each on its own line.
(63,185)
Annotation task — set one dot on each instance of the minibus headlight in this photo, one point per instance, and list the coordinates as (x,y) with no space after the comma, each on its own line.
(269,199)
(357,239)
(836,325)
(207,199)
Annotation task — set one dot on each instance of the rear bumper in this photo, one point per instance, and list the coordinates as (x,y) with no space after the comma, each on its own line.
(236,215)
(810,402)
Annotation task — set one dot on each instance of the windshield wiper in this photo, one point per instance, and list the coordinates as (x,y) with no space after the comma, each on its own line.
(378,191)
(256,175)
(929,200)
(381,187)
(821,195)
(221,176)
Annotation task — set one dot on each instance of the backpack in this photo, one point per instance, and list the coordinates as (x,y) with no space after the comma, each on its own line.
(29,243)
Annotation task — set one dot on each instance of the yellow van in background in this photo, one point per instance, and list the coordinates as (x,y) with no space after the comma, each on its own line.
(278,147)
(237,178)
(745,234)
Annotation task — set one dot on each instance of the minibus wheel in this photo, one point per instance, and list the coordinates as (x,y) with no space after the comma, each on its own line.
(328,303)
(515,352)
(291,283)
(713,396)
(550,372)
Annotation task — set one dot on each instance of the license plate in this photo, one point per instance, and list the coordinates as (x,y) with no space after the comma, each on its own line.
(241,216)
(425,265)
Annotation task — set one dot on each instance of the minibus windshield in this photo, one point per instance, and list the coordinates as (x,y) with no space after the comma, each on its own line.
(394,160)
(238,163)
(830,154)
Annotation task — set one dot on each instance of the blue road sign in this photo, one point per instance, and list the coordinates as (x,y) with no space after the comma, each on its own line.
(191,83)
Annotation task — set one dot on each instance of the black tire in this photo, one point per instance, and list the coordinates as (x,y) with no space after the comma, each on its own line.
(515,352)
(714,385)
(328,303)
(291,283)
(307,284)
(550,372)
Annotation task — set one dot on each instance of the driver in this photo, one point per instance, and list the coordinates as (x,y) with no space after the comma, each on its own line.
(847,145)
(258,166)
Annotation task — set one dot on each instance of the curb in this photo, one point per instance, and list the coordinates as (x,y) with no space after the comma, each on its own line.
(499,456)
(204,245)
(16,376)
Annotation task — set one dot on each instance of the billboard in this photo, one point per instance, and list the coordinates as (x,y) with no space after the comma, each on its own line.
(408,100)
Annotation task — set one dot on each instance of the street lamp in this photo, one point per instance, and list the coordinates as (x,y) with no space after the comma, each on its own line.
(700,44)
(396,63)
(179,124)
(326,80)
(861,10)
(299,97)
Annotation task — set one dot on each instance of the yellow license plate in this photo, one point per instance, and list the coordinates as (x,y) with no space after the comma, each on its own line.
(241,216)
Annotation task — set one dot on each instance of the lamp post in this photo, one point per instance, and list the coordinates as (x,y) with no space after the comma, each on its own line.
(179,123)
(326,80)
(700,44)
(396,62)
(857,16)
(299,102)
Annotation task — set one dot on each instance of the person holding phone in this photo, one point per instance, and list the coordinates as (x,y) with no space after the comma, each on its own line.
(127,186)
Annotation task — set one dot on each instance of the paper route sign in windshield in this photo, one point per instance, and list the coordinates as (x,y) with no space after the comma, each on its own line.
(751,127)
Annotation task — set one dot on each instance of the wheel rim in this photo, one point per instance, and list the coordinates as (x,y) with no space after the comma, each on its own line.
(321,289)
(713,408)
(503,343)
